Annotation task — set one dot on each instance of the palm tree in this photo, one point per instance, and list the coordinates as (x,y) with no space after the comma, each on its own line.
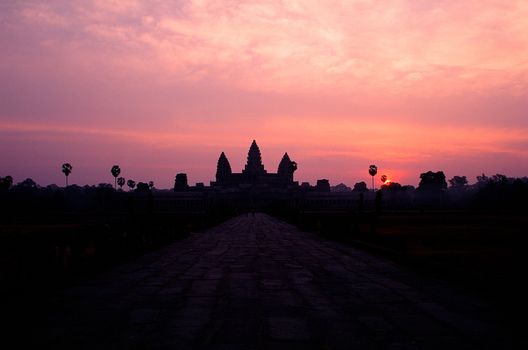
(67,169)
(373,170)
(121,182)
(116,170)
(131,184)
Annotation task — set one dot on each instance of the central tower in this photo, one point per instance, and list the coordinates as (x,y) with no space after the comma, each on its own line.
(254,166)
(254,173)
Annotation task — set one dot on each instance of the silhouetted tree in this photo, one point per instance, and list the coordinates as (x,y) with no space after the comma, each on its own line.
(360,187)
(340,188)
(116,170)
(142,187)
(408,188)
(501,193)
(482,180)
(458,183)
(52,188)
(67,169)
(131,184)
(432,190)
(151,184)
(121,182)
(392,186)
(432,182)
(27,183)
(104,186)
(323,185)
(499,178)
(373,170)
(383,178)
(104,190)
(6,182)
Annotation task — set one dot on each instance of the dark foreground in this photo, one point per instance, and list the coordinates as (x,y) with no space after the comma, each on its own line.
(257,283)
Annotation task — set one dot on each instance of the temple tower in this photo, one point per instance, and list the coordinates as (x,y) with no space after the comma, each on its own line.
(254,166)
(180,182)
(286,168)
(223,169)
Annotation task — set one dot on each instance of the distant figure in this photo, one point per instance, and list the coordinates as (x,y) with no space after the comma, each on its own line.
(377,202)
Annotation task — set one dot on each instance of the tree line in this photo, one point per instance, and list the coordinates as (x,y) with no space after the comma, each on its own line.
(66,168)
(434,188)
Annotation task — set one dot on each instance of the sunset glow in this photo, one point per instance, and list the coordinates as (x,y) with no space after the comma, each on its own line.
(163,87)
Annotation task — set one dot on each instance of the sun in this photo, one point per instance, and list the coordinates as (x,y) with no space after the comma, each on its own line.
(385,180)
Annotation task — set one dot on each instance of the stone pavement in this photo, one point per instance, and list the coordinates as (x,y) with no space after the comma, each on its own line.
(255,282)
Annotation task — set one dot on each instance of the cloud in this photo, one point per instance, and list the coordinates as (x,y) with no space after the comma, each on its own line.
(396,48)
(404,82)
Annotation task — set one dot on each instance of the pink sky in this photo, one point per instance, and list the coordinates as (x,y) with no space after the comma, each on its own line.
(162,87)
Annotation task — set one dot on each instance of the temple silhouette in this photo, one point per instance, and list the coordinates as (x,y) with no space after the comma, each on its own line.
(254,172)
(253,178)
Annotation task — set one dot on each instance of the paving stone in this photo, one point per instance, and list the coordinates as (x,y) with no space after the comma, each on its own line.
(240,331)
(288,329)
(140,316)
(272,284)
(204,288)
(255,282)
